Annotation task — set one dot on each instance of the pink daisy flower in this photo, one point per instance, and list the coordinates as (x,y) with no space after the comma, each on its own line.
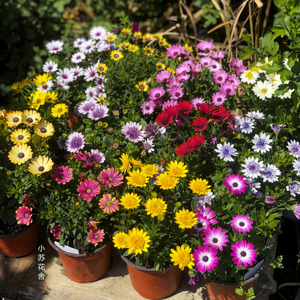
(205,259)
(243,253)
(109,204)
(110,177)
(62,174)
(205,45)
(205,61)
(215,66)
(220,77)
(96,236)
(197,101)
(173,83)
(56,231)
(163,76)
(169,103)
(183,77)
(202,225)
(175,51)
(216,238)
(218,98)
(228,88)
(183,68)
(242,223)
(156,93)
(236,184)
(234,79)
(23,215)
(197,69)
(207,213)
(88,188)
(148,107)
(217,54)
(176,93)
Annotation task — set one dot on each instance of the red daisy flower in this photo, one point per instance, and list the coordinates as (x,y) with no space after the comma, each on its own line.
(220,114)
(172,110)
(196,141)
(185,107)
(206,109)
(184,150)
(164,119)
(200,124)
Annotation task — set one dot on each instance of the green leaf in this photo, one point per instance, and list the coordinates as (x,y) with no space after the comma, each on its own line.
(278,31)
(239,291)
(247,51)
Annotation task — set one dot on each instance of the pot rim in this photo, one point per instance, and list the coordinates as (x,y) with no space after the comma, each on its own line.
(68,253)
(8,236)
(255,277)
(141,268)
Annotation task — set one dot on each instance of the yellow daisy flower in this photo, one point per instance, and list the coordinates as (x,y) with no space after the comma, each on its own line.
(59,109)
(41,80)
(126,31)
(31,117)
(125,160)
(155,207)
(171,70)
(133,48)
(51,97)
(148,51)
(138,241)
(163,43)
(40,165)
(199,186)
(120,240)
(37,99)
(18,86)
(123,45)
(13,118)
(188,48)
(137,178)
(157,36)
(166,182)
(182,257)
(149,170)
(160,66)
(148,37)
(130,201)
(102,68)
(19,154)
(142,86)
(20,136)
(185,218)
(137,35)
(110,37)
(44,129)
(116,55)
(136,163)
(177,169)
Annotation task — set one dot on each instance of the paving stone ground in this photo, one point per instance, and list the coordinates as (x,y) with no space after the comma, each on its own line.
(19,280)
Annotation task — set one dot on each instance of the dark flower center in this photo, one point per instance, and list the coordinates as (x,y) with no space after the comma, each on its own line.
(243,253)
(157,95)
(205,259)
(177,94)
(29,120)
(235,184)
(215,240)
(147,107)
(61,176)
(241,224)
(64,76)
(199,225)
(43,130)
(228,90)
(175,53)
(15,119)
(21,155)
(20,137)
(41,168)
(220,78)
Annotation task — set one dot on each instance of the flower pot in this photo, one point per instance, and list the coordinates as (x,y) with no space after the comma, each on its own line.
(226,291)
(85,268)
(21,243)
(153,284)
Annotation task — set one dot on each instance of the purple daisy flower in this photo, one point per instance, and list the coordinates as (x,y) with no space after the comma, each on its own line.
(242,223)
(270,173)
(277,128)
(55,46)
(176,93)
(228,88)
(148,107)
(261,143)
(226,151)
(205,61)
(252,167)
(175,51)
(50,66)
(205,259)
(296,166)
(243,253)
(197,101)
(99,111)
(294,188)
(156,93)
(294,148)
(97,156)
(75,142)
(133,132)
(151,130)
(236,184)
(216,238)
(218,98)
(297,211)
(86,106)
(270,200)
(220,77)
(163,76)
(245,125)
(205,45)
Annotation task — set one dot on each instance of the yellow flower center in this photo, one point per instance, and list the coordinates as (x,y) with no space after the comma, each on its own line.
(26,215)
(264,91)
(249,75)
(109,203)
(88,191)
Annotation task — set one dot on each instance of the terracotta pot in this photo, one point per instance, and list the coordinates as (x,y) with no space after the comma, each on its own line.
(21,243)
(85,268)
(226,291)
(153,284)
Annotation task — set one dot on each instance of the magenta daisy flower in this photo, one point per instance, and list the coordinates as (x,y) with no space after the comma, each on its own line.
(62,174)
(56,231)
(96,236)
(88,188)
(205,61)
(75,142)
(202,225)
(133,132)
(215,66)
(148,107)
(218,98)
(175,51)
(176,93)
(207,213)
(215,238)
(97,156)
(220,77)
(243,253)
(205,45)
(23,215)
(236,184)
(110,177)
(156,92)
(241,223)
(183,68)
(183,77)
(228,88)
(205,259)
(109,204)
(163,76)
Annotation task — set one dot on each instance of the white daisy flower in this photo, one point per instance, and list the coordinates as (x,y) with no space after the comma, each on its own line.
(103,46)
(275,79)
(47,87)
(65,75)
(263,89)
(252,167)
(78,42)
(77,71)
(90,73)
(77,57)
(226,151)
(245,125)
(296,166)
(55,46)
(148,145)
(294,148)
(50,66)
(91,93)
(255,115)
(261,143)
(270,173)
(87,47)
(98,33)
(249,77)
(294,188)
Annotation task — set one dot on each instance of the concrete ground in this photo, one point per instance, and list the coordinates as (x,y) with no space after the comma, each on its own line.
(19,279)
